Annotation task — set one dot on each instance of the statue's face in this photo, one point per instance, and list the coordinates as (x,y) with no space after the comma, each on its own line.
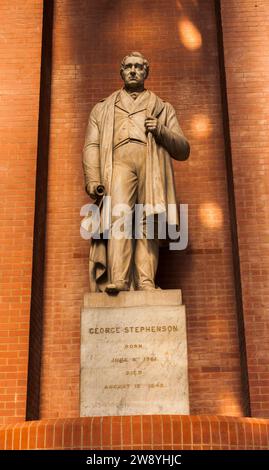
(133,73)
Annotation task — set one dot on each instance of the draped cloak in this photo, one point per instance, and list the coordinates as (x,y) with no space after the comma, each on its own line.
(159,180)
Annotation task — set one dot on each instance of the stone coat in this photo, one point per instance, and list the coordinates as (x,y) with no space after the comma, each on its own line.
(159,181)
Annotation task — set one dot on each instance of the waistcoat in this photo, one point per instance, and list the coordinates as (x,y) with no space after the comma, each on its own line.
(129,118)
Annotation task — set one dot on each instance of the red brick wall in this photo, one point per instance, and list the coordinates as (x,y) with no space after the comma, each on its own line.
(90,38)
(245,28)
(20,51)
(139,432)
(179,38)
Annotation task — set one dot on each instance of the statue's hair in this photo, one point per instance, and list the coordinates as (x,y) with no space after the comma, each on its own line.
(135,54)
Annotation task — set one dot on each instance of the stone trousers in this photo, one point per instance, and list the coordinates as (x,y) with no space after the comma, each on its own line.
(130,259)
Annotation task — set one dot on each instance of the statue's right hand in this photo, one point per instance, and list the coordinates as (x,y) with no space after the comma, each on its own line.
(96,190)
(91,190)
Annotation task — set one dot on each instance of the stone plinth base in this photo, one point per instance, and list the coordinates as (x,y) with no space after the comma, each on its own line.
(133,354)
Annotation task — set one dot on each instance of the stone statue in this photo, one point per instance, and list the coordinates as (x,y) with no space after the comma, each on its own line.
(130,138)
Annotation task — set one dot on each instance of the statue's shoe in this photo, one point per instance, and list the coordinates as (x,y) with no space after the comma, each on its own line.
(117,287)
(148,288)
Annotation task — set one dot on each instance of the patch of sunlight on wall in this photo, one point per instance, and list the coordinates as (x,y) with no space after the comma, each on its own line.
(189,34)
(179,5)
(201,126)
(230,405)
(211,215)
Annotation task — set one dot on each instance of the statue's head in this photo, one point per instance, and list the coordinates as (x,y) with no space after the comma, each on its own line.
(134,70)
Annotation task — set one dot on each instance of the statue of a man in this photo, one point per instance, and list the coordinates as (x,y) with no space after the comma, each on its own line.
(130,138)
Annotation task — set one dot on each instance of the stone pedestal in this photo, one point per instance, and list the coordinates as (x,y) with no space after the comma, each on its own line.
(133,354)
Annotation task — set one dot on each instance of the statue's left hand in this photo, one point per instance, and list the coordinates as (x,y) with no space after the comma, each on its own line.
(152,125)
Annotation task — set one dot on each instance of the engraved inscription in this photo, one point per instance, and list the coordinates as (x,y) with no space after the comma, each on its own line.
(134,372)
(134,329)
(128,386)
(120,360)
